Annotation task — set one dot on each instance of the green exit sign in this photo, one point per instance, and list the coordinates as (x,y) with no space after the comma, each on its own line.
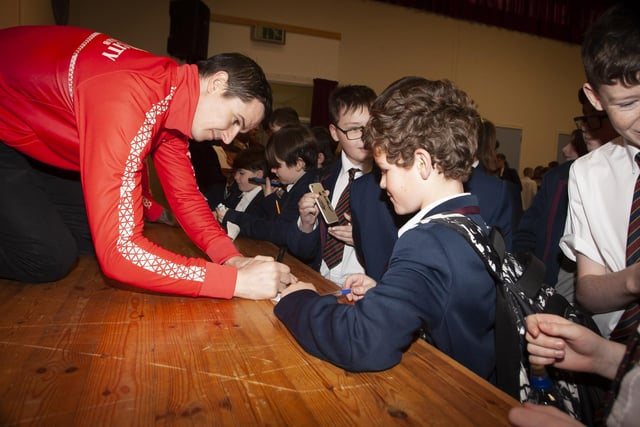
(268,34)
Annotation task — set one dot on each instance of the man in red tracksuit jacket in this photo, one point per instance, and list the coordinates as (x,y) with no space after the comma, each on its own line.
(79,113)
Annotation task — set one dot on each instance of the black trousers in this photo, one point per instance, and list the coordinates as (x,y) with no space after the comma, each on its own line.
(43,221)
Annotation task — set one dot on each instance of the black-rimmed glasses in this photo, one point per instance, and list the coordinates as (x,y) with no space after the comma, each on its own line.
(352,133)
(590,122)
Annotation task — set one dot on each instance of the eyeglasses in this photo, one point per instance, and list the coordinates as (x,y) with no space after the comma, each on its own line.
(353,133)
(590,122)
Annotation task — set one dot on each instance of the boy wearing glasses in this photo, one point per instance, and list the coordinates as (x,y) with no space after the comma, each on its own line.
(601,184)
(595,125)
(423,135)
(329,248)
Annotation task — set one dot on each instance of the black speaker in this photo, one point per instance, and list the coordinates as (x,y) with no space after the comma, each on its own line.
(188,30)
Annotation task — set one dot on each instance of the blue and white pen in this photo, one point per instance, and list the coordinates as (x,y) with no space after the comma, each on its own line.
(339,293)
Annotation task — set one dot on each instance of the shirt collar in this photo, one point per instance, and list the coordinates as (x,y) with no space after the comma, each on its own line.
(415,220)
(348,164)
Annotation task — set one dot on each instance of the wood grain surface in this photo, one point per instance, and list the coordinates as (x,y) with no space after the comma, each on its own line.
(86,351)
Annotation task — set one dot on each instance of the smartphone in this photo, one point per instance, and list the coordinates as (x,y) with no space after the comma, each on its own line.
(324,204)
(262,181)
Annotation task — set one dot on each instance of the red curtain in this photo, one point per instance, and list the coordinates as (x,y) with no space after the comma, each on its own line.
(564,20)
(320,102)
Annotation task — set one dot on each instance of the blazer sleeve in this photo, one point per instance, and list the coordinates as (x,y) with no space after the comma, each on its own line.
(372,334)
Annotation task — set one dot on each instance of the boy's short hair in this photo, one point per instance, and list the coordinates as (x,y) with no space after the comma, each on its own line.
(611,47)
(251,159)
(284,116)
(578,143)
(413,113)
(246,80)
(486,152)
(290,144)
(349,98)
(326,144)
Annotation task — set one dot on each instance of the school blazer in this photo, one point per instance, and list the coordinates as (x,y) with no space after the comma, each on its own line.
(308,246)
(542,225)
(495,199)
(375,224)
(435,283)
(275,227)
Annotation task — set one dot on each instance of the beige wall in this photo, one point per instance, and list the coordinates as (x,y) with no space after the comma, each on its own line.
(25,12)
(518,80)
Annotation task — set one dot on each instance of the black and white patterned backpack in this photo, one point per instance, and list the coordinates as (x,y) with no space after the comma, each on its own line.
(520,292)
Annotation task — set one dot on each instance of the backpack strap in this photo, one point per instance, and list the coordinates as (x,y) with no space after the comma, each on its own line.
(507,336)
(478,240)
(492,250)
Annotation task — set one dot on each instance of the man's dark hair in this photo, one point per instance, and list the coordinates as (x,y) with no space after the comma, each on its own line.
(611,47)
(246,79)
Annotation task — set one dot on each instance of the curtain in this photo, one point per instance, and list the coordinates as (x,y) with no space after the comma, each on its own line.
(564,20)
(320,102)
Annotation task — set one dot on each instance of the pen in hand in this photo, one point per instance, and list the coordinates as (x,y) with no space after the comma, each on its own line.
(338,293)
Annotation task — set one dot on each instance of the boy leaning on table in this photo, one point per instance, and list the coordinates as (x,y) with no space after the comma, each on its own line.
(422,134)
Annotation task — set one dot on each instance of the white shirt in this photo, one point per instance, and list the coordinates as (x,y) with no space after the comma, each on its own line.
(417,218)
(529,190)
(349,264)
(601,187)
(246,198)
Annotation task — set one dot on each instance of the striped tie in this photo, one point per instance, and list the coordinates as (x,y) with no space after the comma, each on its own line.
(333,248)
(629,321)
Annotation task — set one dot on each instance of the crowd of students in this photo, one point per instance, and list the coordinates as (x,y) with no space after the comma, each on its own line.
(388,163)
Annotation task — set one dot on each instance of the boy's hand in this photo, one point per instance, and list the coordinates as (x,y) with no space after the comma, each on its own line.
(308,211)
(359,285)
(531,415)
(555,340)
(343,232)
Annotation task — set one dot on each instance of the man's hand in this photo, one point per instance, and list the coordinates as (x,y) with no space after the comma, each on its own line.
(260,277)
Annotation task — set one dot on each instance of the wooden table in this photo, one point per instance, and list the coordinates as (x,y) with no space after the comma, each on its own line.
(84,352)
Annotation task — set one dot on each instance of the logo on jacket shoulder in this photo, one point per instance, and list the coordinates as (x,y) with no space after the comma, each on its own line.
(114,48)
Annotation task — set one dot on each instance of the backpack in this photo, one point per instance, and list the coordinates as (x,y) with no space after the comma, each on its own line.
(520,292)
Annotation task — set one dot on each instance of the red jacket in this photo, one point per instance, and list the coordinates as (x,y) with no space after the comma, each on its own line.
(83,101)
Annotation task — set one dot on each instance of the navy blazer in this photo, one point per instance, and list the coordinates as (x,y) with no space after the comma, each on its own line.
(542,225)
(274,227)
(496,201)
(435,282)
(375,224)
(256,206)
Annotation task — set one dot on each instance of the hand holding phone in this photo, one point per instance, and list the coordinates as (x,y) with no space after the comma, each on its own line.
(262,181)
(324,204)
